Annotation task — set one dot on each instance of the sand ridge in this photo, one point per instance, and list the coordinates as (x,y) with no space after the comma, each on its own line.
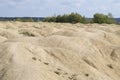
(59,51)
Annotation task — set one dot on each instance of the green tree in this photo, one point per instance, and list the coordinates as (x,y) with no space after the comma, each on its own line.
(101,18)
(74,18)
(59,18)
(69,18)
(84,20)
(50,19)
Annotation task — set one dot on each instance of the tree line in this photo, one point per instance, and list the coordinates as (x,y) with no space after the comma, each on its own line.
(67,18)
(78,18)
(22,19)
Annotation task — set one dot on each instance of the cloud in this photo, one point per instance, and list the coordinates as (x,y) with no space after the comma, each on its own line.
(51,7)
(13,2)
(8,1)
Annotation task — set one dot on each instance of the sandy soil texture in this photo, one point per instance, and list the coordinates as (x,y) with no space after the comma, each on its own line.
(59,51)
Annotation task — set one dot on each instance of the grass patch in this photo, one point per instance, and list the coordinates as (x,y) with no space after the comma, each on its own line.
(110,66)
(56,72)
(46,63)
(28,34)
(87,75)
(34,58)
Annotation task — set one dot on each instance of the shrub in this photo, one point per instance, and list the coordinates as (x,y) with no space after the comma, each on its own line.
(24,20)
(50,19)
(67,18)
(101,18)
(28,34)
(74,18)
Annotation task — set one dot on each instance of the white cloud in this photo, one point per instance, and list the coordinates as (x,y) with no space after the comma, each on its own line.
(13,2)
(51,7)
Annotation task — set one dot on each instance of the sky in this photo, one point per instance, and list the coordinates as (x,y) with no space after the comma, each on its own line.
(43,8)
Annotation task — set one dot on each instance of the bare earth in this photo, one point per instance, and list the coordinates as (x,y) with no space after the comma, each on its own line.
(56,51)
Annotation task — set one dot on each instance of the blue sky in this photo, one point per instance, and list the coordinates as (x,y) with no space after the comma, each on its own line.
(42,8)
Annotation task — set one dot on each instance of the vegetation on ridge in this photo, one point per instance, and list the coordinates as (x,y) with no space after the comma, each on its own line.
(77,18)
(101,18)
(67,18)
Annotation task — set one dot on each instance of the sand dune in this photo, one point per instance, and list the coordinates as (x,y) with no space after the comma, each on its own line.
(59,51)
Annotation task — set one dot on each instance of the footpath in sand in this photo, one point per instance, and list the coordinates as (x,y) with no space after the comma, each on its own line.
(57,51)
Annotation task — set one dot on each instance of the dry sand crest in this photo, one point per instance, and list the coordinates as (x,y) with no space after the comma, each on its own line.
(58,51)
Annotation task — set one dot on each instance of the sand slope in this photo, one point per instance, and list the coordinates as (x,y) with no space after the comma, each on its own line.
(55,51)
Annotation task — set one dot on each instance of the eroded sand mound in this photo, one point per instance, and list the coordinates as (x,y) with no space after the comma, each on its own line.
(54,51)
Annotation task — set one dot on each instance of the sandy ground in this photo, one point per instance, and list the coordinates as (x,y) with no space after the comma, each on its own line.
(57,51)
